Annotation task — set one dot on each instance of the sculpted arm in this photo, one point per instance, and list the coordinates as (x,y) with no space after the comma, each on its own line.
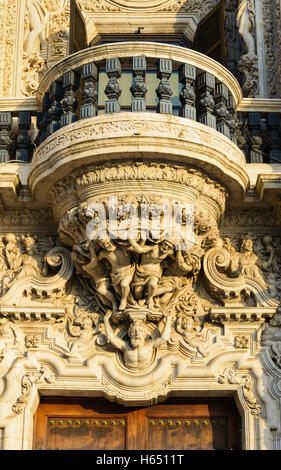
(112,338)
(165,334)
(138,248)
(181,262)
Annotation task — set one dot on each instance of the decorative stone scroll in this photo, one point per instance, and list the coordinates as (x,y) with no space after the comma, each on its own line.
(233,277)
(24,269)
(27,383)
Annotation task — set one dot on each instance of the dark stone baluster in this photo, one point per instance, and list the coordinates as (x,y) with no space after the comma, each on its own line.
(232,119)
(187,95)
(221,111)
(164,91)
(55,109)
(42,120)
(206,103)
(273,122)
(90,75)
(5,139)
(112,89)
(254,122)
(23,143)
(138,88)
(69,103)
(241,133)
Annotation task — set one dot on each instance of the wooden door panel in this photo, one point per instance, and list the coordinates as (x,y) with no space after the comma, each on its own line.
(186,434)
(99,425)
(86,434)
(192,425)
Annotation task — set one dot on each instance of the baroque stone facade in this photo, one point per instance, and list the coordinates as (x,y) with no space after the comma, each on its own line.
(139,252)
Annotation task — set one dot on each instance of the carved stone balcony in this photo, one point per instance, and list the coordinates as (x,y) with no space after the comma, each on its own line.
(135,100)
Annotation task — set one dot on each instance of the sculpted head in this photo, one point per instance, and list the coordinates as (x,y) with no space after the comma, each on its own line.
(10,237)
(137,333)
(106,244)
(166,245)
(247,245)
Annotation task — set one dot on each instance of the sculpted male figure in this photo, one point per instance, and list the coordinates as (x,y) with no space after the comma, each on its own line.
(101,279)
(138,351)
(122,270)
(149,271)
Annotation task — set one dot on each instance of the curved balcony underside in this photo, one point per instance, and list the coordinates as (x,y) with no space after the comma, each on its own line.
(130,136)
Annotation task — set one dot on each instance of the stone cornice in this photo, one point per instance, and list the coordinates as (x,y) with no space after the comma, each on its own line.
(265,105)
(19,103)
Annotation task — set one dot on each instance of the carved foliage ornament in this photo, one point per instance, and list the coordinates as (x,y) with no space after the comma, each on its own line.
(231,376)
(28,381)
(199,7)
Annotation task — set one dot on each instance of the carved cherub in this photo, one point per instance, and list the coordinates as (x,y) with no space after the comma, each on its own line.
(138,351)
(83,331)
(190,331)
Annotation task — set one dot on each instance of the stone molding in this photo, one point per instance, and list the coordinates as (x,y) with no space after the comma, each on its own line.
(128,135)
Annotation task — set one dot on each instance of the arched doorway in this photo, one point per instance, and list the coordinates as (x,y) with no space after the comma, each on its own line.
(96,424)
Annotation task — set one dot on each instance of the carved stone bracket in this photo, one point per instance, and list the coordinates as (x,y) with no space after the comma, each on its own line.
(30,379)
(230,376)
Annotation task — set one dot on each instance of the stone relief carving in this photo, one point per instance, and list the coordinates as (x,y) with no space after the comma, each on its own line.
(28,381)
(195,6)
(270,9)
(140,171)
(248,62)
(138,350)
(235,277)
(8,15)
(31,218)
(25,262)
(278,41)
(138,282)
(45,40)
(233,377)
(9,336)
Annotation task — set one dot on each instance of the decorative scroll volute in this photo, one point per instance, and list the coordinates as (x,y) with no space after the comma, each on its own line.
(235,277)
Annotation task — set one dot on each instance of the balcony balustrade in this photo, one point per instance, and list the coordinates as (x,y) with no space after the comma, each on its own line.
(138,77)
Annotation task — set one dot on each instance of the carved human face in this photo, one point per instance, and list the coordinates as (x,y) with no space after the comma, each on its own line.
(136,334)
(247,245)
(166,245)
(107,245)
(187,323)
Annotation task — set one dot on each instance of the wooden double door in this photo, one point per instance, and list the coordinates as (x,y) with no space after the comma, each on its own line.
(96,424)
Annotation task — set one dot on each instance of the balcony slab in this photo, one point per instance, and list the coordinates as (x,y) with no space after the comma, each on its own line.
(130,136)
